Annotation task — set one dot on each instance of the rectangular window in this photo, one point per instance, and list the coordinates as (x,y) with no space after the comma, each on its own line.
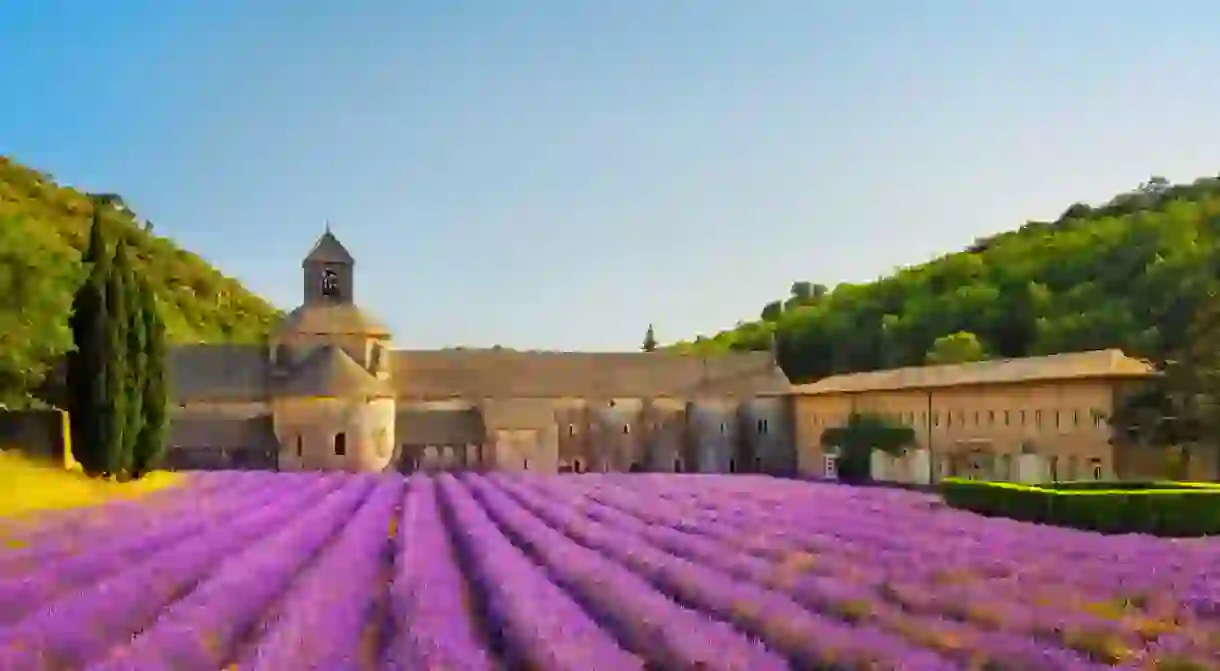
(976,417)
(991,416)
(1021,421)
(949,418)
(1076,417)
(340,444)
(1058,419)
(1007,417)
(1038,418)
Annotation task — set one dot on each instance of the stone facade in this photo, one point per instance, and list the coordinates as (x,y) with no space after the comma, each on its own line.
(327,391)
(1032,419)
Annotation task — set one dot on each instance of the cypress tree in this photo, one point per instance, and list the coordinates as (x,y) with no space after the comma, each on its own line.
(86,392)
(650,340)
(114,351)
(150,443)
(137,357)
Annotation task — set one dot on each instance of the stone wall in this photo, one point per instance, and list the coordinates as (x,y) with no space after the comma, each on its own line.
(38,433)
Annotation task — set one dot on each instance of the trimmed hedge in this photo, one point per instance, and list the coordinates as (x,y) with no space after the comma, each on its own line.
(1128,485)
(1154,508)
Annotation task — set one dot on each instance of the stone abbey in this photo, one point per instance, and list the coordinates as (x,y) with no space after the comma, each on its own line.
(328,391)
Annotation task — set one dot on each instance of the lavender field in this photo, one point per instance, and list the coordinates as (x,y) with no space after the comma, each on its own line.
(591,572)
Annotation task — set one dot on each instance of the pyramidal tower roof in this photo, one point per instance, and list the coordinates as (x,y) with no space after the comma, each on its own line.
(328,249)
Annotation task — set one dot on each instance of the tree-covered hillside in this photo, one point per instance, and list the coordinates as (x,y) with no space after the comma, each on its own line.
(1126,274)
(43,230)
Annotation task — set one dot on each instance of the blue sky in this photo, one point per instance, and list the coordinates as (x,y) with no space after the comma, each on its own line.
(557,174)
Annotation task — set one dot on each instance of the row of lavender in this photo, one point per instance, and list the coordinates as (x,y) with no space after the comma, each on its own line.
(590,572)
(264,571)
(969,588)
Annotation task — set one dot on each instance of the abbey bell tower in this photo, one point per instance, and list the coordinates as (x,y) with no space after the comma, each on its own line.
(328,272)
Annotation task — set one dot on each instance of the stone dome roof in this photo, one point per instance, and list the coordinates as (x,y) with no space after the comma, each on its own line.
(329,371)
(331,319)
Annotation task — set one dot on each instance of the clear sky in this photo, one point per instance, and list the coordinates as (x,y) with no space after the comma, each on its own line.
(557,174)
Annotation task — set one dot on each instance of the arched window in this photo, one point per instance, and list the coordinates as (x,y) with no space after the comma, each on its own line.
(340,444)
(678,465)
(300,446)
(330,283)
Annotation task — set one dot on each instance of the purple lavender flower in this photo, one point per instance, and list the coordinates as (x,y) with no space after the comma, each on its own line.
(78,628)
(541,627)
(335,595)
(658,629)
(429,595)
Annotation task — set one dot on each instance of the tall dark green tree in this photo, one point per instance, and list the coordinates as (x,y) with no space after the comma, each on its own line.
(114,350)
(150,443)
(650,340)
(136,354)
(87,390)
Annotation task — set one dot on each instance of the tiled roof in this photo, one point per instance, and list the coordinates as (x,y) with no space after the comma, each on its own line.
(329,371)
(217,431)
(1110,363)
(241,372)
(437,374)
(438,427)
(218,372)
(331,319)
(518,413)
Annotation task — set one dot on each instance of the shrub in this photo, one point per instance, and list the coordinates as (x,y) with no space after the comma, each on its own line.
(1154,508)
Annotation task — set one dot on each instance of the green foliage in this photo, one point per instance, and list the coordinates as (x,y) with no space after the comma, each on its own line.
(1128,274)
(44,232)
(1181,408)
(863,433)
(150,443)
(960,347)
(650,340)
(86,375)
(1172,509)
(37,280)
(112,424)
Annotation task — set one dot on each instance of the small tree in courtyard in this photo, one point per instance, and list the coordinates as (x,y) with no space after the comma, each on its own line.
(856,440)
